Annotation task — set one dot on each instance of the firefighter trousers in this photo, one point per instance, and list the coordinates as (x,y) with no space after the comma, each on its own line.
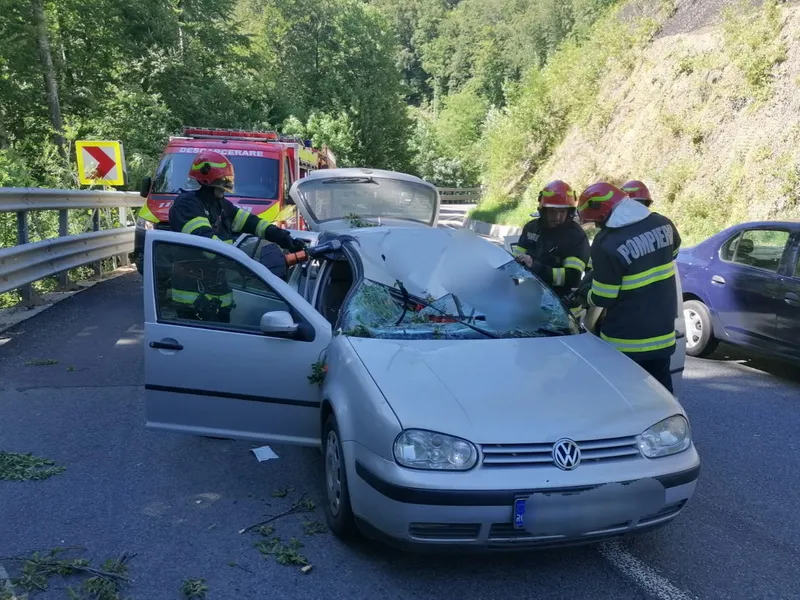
(658,368)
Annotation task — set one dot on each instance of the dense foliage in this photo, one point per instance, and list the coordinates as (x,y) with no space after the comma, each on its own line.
(403,84)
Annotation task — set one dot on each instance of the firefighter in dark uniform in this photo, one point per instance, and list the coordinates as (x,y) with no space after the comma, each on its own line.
(556,247)
(633,277)
(199,287)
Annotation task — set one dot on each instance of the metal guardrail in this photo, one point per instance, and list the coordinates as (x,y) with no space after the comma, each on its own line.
(26,262)
(24,199)
(460,195)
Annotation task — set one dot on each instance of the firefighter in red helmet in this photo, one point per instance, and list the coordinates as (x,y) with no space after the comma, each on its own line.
(638,191)
(199,288)
(633,277)
(556,247)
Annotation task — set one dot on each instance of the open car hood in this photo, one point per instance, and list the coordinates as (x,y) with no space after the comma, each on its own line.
(340,199)
(514,391)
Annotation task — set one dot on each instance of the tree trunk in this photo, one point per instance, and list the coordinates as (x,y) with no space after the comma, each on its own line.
(50,80)
(180,28)
(3,132)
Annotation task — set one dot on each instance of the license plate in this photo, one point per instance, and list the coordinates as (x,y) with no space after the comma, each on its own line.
(519,512)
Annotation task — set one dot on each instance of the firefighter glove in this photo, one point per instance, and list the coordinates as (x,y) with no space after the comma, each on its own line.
(283,238)
(584,288)
(538,268)
(295,245)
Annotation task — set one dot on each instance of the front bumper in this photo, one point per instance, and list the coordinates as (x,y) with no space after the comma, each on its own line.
(427,518)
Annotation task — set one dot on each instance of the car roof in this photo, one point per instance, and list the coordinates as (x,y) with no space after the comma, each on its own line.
(361,172)
(791,223)
(422,257)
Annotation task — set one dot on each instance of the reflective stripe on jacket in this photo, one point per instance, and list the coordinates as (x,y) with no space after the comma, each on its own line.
(634,280)
(563,249)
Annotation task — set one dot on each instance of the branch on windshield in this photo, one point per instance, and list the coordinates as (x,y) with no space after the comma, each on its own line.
(446,318)
(356,221)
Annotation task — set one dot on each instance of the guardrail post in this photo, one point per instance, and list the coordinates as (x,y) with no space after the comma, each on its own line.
(63,230)
(98,265)
(122,259)
(22,238)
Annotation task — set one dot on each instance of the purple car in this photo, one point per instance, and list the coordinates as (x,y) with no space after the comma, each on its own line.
(742,286)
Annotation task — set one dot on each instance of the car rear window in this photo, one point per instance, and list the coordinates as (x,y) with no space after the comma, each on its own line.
(255,177)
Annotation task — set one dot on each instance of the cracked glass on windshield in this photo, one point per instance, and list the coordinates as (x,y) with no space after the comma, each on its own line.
(439,284)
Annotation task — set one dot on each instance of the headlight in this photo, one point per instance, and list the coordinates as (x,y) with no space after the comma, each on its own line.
(670,436)
(420,449)
(144,223)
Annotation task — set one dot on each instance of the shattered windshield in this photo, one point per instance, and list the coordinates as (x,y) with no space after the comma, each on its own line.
(368,197)
(448,285)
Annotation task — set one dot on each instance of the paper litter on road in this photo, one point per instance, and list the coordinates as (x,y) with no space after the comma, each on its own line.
(264,453)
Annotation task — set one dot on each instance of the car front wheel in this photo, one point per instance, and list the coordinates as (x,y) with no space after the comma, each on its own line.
(338,512)
(700,340)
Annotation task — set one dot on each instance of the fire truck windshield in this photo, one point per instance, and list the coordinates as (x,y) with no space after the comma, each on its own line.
(256,177)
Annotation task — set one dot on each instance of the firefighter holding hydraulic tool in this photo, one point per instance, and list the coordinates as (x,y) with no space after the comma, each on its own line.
(199,288)
(556,247)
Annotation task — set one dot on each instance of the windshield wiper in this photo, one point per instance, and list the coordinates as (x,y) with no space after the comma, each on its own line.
(547,332)
(407,297)
(351,180)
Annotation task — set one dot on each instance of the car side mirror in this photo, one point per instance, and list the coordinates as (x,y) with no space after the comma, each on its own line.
(278,321)
(144,189)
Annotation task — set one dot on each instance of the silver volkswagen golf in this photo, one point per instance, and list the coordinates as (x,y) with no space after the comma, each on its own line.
(454,398)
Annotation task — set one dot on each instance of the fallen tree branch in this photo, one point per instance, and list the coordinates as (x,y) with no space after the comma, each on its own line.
(295,508)
(59,563)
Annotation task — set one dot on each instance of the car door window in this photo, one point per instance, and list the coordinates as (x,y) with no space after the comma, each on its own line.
(797,267)
(728,249)
(761,248)
(202,288)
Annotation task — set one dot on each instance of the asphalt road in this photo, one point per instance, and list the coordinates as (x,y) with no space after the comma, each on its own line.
(178,502)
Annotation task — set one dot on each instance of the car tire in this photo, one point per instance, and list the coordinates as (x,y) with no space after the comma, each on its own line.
(700,340)
(338,512)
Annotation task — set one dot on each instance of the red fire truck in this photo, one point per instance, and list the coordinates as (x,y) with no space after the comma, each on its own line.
(265,162)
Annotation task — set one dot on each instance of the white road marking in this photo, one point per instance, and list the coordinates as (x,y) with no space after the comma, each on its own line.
(645,576)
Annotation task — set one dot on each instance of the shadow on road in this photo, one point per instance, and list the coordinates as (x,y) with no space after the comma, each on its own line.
(784,369)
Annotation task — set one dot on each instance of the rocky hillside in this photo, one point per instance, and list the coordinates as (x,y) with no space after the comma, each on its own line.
(707,113)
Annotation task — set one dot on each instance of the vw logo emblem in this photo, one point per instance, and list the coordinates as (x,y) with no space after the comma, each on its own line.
(566,454)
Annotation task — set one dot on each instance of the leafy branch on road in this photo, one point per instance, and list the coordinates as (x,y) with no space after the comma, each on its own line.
(101,584)
(271,545)
(300,505)
(312,526)
(194,589)
(26,467)
(285,554)
(282,492)
(41,362)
